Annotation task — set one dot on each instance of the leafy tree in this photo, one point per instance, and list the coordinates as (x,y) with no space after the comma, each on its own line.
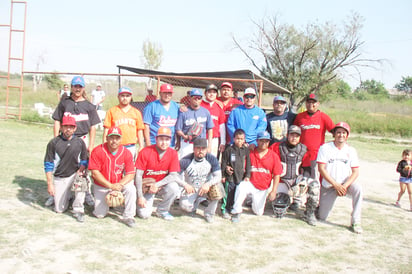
(373,87)
(304,61)
(335,88)
(405,84)
(53,81)
(152,55)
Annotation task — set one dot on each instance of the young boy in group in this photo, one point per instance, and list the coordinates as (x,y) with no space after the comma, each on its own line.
(235,168)
(405,180)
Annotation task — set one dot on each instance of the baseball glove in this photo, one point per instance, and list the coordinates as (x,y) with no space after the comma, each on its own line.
(146,183)
(80,183)
(195,130)
(216,192)
(114,198)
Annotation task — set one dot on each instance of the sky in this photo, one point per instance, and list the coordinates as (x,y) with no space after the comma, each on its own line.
(93,36)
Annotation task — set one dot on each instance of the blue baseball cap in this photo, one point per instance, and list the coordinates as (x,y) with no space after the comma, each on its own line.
(125,90)
(263,135)
(196,92)
(279,98)
(78,80)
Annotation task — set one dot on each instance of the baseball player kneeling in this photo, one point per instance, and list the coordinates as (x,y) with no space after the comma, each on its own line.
(112,170)
(201,171)
(66,156)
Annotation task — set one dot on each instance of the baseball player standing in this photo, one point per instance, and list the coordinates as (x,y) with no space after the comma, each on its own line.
(82,110)
(250,118)
(66,156)
(218,116)
(128,119)
(314,124)
(161,163)
(160,113)
(112,168)
(195,115)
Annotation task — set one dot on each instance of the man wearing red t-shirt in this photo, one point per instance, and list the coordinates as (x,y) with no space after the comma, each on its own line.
(112,168)
(265,167)
(314,124)
(161,163)
(229,103)
(218,116)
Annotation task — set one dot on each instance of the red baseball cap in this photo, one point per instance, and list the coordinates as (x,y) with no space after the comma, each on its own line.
(114,131)
(166,88)
(68,121)
(226,84)
(343,125)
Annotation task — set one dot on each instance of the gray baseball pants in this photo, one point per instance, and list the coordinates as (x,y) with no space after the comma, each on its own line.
(63,193)
(328,197)
(101,208)
(168,192)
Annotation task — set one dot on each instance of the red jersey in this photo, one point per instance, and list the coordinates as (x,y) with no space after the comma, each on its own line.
(153,167)
(111,166)
(185,100)
(263,169)
(313,132)
(218,116)
(150,98)
(227,108)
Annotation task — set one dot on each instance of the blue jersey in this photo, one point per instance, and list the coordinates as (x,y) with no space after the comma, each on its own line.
(155,115)
(251,120)
(201,115)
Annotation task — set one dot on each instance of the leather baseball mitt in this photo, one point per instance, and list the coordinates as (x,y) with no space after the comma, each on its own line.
(114,198)
(146,183)
(195,130)
(216,192)
(80,183)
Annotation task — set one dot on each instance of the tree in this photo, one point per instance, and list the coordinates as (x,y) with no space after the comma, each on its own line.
(373,87)
(152,57)
(304,61)
(53,81)
(405,84)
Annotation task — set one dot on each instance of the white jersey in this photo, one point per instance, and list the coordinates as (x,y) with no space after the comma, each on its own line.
(339,162)
(98,96)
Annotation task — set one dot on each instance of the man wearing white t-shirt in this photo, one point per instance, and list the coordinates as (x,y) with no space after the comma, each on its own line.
(338,165)
(98,96)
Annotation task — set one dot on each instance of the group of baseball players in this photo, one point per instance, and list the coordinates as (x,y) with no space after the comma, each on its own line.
(186,154)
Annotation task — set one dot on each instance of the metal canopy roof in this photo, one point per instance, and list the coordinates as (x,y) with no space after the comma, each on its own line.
(240,79)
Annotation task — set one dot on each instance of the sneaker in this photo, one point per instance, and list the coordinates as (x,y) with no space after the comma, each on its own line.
(130,222)
(165,215)
(89,199)
(235,218)
(294,207)
(209,218)
(397,204)
(310,218)
(79,217)
(356,228)
(49,201)
(226,216)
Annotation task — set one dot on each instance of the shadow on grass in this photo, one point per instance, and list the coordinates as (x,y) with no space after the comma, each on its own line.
(32,192)
(377,202)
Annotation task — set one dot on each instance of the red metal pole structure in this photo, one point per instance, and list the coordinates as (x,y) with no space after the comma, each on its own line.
(15,58)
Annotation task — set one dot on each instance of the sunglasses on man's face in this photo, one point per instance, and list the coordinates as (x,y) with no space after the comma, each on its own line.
(249,96)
